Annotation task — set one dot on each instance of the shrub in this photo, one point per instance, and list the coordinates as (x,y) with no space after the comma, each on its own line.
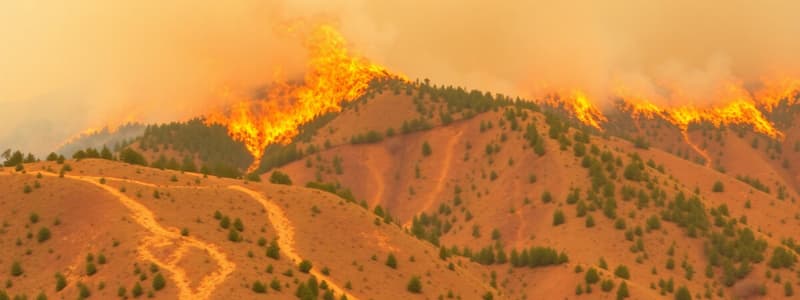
(718,187)
(683,294)
(622,291)
(233,235)
(591,276)
(391,261)
(225,222)
(275,284)
(426,149)
(653,223)
(259,287)
(622,272)
(43,235)
(61,282)
(558,217)
(278,177)
(16,269)
(607,285)
(83,291)
(91,269)
(788,290)
(238,225)
(781,258)
(159,282)
(547,197)
(414,285)
(589,221)
(304,266)
(273,251)
(136,291)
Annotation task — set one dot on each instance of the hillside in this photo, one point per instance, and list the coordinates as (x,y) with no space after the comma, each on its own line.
(147,223)
(473,194)
(482,186)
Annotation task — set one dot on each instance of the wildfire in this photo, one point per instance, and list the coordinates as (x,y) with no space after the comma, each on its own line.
(334,75)
(738,112)
(579,105)
(775,91)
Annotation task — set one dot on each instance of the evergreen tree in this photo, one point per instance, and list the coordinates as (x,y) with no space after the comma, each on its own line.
(622,291)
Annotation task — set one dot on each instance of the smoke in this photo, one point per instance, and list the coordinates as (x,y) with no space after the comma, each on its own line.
(66,66)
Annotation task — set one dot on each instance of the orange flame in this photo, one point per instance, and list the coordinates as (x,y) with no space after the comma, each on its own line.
(735,112)
(775,91)
(334,75)
(579,105)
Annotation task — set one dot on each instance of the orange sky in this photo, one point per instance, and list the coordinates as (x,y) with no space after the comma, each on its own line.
(70,65)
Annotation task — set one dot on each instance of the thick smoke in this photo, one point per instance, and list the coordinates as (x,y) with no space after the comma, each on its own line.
(66,66)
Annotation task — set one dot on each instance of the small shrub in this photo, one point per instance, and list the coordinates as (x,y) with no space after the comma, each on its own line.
(61,282)
(91,269)
(426,149)
(718,187)
(304,266)
(592,276)
(159,282)
(16,269)
(414,285)
(622,272)
(137,290)
(391,261)
(259,287)
(558,217)
(43,235)
(278,177)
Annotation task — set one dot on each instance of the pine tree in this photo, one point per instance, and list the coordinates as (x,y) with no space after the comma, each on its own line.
(622,291)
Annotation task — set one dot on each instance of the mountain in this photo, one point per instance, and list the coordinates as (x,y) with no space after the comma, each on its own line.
(472,194)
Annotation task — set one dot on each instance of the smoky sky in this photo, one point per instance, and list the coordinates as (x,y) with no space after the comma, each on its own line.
(69,65)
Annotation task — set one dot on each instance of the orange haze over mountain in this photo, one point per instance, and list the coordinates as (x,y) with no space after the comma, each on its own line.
(89,63)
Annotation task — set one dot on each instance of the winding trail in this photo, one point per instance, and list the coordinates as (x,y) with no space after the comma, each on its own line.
(285,232)
(162,237)
(443,173)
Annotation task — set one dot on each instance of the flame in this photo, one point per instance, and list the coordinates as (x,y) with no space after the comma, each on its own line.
(777,90)
(738,112)
(334,75)
(579,105)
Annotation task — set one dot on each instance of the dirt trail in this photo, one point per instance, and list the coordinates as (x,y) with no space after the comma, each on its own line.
(379,184)
(162,237)
(443,173)
(697,149)
(285,231)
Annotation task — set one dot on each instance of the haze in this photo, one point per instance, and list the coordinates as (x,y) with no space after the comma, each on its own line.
(65,67)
